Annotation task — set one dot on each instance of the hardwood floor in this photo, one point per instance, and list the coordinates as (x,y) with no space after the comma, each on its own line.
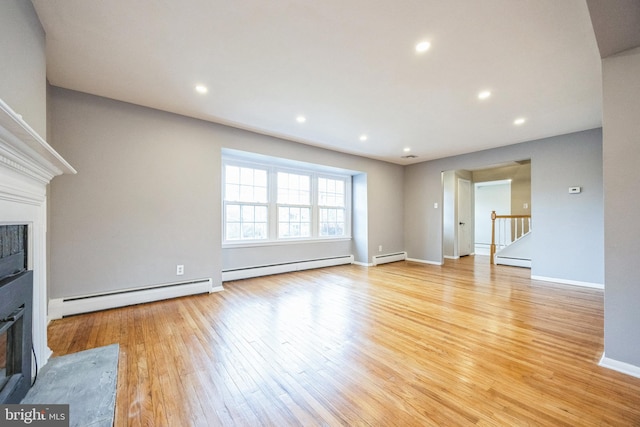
(395,345)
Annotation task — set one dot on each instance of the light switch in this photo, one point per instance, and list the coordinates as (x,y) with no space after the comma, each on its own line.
(435,205)
(574,190)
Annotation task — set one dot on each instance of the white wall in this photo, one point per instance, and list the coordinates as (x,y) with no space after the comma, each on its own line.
(490,197)
(568,239)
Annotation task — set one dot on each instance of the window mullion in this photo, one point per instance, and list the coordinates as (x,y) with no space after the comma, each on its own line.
(273,204)
(315,215)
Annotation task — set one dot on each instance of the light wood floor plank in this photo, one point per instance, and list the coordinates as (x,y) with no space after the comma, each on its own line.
(466,343)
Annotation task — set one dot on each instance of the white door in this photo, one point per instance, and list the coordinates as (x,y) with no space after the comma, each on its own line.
(465,225)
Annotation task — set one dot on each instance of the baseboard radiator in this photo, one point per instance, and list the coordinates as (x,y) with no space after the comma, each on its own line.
(60,307)
(287,267)
(383,259)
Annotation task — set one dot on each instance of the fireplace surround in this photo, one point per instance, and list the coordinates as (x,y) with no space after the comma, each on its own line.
(27,165)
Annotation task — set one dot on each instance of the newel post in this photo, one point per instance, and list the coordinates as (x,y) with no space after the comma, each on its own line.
(493,236)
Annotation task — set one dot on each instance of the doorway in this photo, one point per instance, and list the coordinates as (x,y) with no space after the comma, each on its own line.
(489,196)
(517,173)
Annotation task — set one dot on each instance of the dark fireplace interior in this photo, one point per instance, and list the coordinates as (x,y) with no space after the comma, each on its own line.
(16,295)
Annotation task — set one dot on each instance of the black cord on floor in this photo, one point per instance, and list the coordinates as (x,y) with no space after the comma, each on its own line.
(35,359)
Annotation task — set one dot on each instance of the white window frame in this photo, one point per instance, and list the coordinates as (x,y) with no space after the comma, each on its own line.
(314,172)
(241,203)
(344,207)
(279,204)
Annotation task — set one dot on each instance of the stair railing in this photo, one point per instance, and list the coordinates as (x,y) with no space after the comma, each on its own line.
(506,229)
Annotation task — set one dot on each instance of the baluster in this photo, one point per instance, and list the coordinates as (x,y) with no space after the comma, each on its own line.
(507,232)
(521,228)
(504,233)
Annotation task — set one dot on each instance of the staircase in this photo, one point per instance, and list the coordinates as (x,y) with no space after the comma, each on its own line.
(517,254)
(511,240)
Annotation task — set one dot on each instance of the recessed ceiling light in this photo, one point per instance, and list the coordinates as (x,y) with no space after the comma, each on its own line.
(301,119)
(407,149)
(201,89)
(423,46)
(519,121)
(363,137)
(484,94)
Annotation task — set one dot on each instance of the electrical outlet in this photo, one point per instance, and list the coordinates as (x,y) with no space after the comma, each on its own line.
(179,270)
(380,248)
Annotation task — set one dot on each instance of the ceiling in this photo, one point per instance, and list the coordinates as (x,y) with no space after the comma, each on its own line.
(616,25)
(350,67)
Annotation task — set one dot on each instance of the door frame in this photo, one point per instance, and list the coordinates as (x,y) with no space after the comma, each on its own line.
(464,211)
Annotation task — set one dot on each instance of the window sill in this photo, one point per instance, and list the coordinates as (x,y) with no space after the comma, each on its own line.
(229,245)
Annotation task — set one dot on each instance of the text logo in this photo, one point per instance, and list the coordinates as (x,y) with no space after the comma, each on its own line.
(34,415)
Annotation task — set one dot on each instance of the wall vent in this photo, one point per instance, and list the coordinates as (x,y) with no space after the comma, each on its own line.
(60,307)
(386,258)
(265,270)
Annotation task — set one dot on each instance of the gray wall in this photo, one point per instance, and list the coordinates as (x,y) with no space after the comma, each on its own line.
(621,149)
(360,226)
(23,83)
(568,236)
(147,196)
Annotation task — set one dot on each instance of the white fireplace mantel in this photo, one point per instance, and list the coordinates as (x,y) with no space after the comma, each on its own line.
(27,165)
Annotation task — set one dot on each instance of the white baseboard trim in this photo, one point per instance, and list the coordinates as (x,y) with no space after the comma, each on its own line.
(568,282)
(265,270)
(424,261)
(481,250)
(513,262)
(625,368)
(450,257)
(60,307)
(363,264)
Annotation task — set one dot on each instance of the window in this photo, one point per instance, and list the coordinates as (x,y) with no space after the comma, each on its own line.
(246,203)
(267,203)
(331,204)
(294,205)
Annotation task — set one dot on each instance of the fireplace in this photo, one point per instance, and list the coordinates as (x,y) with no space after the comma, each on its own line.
(27,166)
(16,296)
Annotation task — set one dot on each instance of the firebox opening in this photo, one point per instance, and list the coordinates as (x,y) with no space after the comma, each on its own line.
(16,294)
